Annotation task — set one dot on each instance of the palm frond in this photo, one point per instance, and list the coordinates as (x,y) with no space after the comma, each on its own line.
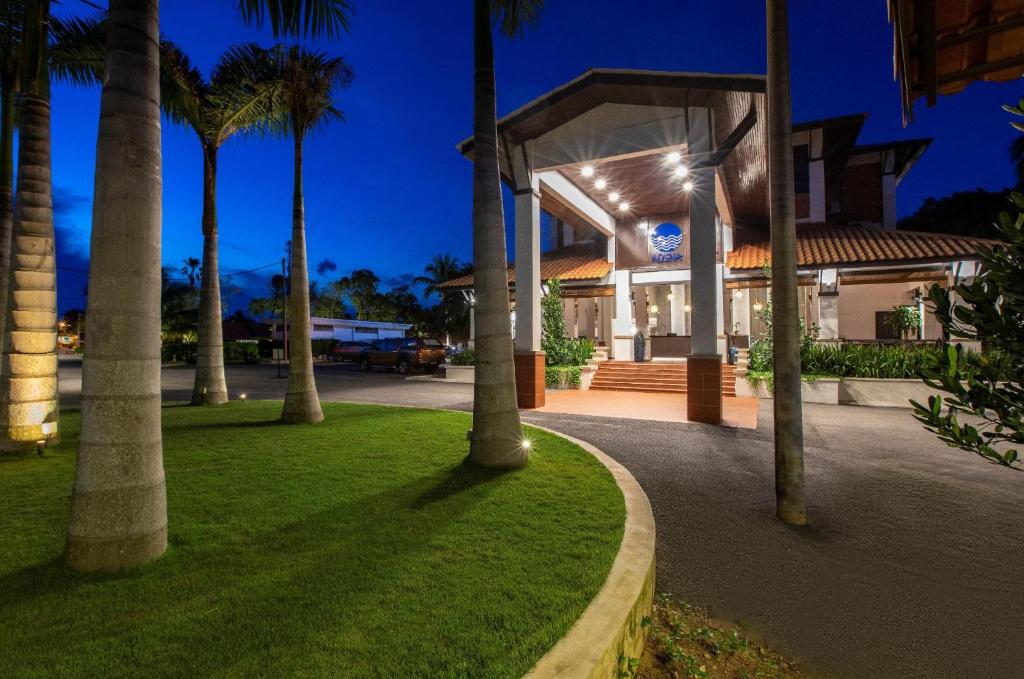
(245,93)
(183,92)
(308,83)
(77,49)
(328,18)
(514,16)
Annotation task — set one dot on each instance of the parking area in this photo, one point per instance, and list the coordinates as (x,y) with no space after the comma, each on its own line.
(907,569)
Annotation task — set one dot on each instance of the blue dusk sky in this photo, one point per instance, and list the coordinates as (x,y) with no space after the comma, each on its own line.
(386,190)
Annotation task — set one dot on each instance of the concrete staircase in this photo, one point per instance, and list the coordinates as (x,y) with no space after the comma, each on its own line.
(662,378)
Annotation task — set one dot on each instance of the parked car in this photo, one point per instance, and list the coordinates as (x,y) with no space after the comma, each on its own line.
(403,354)
(348,351)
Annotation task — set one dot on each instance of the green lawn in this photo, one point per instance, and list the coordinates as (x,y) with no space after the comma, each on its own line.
(358,547)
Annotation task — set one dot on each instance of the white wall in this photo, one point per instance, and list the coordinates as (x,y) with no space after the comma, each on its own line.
(858,304)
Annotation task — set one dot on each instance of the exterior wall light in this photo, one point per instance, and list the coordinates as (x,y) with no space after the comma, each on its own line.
(739,294)
(624,206)
(681,171)
(588,171)
(686,308)
(688,186)
(671,296)
(613,196)
(600,183)
(654,308)
(758,306)
(674,157)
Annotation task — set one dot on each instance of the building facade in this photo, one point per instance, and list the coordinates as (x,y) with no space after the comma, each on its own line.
(646,195)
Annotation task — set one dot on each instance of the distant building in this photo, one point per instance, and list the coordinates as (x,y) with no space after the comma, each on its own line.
(347,329)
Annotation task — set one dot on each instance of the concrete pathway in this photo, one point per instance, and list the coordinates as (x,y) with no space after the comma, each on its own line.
(910,567)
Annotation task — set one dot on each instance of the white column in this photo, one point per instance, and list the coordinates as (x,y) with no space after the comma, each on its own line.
(704,278)
(678,301)
(569,316)
(720,308)
(472,327)
(828,304)
(622,321)
(605,305)
(527,286)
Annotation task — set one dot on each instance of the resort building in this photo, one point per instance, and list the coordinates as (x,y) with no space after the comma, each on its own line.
(646,194)
(345,329)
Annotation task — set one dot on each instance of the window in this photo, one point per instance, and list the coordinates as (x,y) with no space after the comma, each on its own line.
(802,168)
(410,344)
(431,343)
(323,328)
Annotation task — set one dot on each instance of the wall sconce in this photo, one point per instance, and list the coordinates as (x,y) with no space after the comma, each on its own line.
(758,306)
(739,294)
(671,296)
(654,308)
(686,308)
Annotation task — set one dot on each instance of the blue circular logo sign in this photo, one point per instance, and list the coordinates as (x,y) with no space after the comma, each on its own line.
(666,238)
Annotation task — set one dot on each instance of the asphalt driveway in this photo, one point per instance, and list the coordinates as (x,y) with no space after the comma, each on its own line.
(910,566)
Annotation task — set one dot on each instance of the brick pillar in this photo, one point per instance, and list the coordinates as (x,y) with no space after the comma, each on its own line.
(530,378)
(704,388)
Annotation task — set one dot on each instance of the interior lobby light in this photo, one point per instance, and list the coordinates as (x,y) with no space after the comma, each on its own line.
(681,171)
(613,196)
(624,206)
(588,170)
(688,186)
(600,183)
(674,157)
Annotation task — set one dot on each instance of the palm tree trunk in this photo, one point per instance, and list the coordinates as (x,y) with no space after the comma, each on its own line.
(497,433)
(7,92)
(210,387)
(28,377)
(119,506)
(789,432)
(301,403)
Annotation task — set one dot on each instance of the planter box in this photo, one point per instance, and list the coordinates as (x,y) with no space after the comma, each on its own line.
(587,376)
(824,390)
(460,373)
(866,391)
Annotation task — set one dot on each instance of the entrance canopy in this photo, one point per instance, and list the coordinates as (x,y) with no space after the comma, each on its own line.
(605,136)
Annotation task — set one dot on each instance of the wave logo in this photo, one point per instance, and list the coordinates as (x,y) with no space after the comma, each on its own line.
(667,238)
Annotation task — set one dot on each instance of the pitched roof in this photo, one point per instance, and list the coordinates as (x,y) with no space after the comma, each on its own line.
(573,263)
(827,245)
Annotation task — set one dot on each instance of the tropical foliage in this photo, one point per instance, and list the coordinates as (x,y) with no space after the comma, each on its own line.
(989,308)
(560,349)
(903,320)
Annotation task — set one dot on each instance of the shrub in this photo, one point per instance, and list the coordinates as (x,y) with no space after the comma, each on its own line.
(465,357)
(178,350)
(560,349)
(562,376)
(322,347)
(241,352)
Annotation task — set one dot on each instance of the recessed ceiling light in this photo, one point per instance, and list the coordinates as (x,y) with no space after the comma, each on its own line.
(588,170)
(600,183)
(613,196)
(624,206)
(688,186)
(681,171)
(674,157)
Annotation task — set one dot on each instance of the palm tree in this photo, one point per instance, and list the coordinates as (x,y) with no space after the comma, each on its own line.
(497,438)
(231,102)
(33,46)
(118,506)
(307,82)
(441,268)
(28,376)
(789,433)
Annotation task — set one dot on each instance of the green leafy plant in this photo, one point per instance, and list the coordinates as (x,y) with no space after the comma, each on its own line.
(992,311)
(563,376)
(241,352)
(903,320)
(560,349)
(465,357)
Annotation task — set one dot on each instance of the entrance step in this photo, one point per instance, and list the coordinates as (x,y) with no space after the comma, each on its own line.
(667,378)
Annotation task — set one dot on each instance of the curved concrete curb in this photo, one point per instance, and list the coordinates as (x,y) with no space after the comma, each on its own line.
(611,629)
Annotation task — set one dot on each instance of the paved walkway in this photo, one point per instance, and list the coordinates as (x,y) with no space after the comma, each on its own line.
(910,567)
